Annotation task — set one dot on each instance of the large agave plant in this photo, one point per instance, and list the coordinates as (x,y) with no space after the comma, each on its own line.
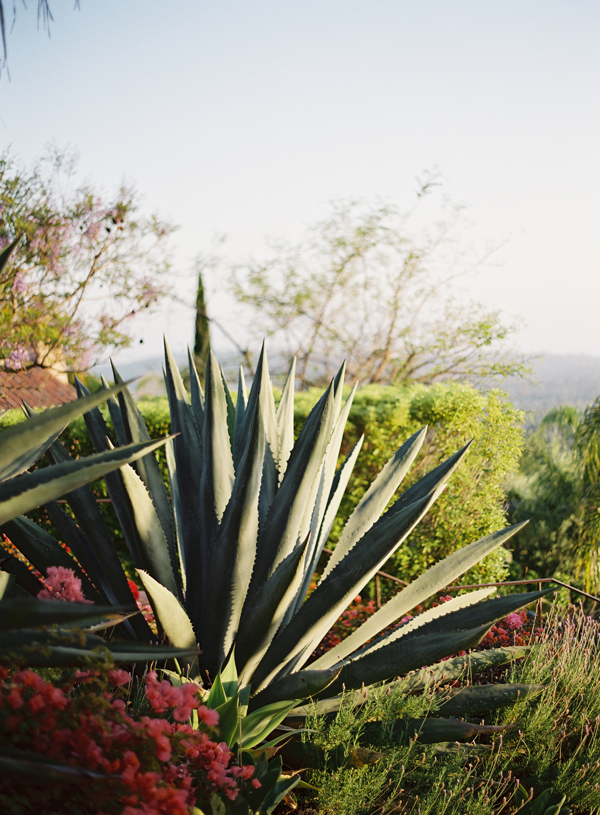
(229,564)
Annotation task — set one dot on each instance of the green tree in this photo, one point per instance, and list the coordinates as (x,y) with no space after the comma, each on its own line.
(547,490)
(85,264)
(360,287)
(558,489)
(201,326)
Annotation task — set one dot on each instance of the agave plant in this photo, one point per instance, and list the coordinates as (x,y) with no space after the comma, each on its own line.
(228,566)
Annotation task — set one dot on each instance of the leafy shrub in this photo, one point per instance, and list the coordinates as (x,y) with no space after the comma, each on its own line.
(473,504)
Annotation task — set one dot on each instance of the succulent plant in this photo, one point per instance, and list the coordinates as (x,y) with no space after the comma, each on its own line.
(230,564)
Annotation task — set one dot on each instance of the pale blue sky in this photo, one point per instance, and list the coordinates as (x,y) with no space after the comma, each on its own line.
(247,118)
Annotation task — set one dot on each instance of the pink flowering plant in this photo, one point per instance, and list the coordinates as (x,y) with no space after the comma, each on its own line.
(154,763)
(85,264)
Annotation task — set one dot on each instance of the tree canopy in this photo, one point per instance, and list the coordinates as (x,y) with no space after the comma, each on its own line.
(85,265)
(361,287)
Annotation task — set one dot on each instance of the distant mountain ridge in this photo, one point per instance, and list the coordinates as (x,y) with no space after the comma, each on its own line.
(557,380)
(571,379)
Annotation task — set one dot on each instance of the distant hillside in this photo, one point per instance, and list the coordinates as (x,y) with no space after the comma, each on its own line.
(558,380)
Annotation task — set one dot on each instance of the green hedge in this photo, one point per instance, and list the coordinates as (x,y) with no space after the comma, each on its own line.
(472,505)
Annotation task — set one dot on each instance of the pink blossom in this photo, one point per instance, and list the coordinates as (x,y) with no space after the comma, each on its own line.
(62,584)
(514,620)
(118,677)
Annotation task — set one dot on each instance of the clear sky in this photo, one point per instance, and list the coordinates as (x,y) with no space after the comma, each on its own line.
(248,118)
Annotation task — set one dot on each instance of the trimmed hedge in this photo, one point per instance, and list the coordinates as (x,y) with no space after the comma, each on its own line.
(473,504)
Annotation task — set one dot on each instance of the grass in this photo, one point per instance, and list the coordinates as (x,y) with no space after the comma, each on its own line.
(554,742)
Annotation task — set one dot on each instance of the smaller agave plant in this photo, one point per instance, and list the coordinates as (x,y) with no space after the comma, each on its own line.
(227,564)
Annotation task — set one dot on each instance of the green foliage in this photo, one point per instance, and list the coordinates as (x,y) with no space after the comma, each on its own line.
(548,490)
(557,487)
(473,503)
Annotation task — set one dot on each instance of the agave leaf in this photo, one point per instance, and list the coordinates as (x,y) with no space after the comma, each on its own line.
(285,421)
(196,392)
(6,580)
(148,470)
(29,613)
(480,616)
(116,417)
(431,581)
(425,622)
(467,665)
(42,551)
(489,611)
(101,439)
(323,490)
(280,535)
(449,670)
(152,542)
(261,393)
(188,455)
(377,497)
(300,685)
(256,726)
(338,488)
(212,493)
(240,410)
(141,652)
(234,552)
(480,698)
(91,523)
(308,627)
(25,579)
(261,617)
(230,408)
(22,444)
(177,510)
(171,614)
(30,490)
(432,730)
(402,656)
(82,552)
(217,473)
(41,768)
(428,483)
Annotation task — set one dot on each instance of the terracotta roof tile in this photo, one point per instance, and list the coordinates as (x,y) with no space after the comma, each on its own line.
(38,387)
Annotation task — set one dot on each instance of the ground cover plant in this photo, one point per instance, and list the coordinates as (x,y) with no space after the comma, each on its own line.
(545,761)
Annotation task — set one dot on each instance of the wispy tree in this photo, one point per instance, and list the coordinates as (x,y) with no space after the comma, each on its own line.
(362,287)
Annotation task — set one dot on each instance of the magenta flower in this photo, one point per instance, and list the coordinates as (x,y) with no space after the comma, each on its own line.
(62,584)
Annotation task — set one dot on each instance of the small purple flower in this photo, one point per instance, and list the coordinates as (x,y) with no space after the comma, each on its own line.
(17,357)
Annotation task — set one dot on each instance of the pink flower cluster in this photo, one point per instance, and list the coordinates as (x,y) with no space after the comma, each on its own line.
(62,584)
(153,766)
(163,695)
